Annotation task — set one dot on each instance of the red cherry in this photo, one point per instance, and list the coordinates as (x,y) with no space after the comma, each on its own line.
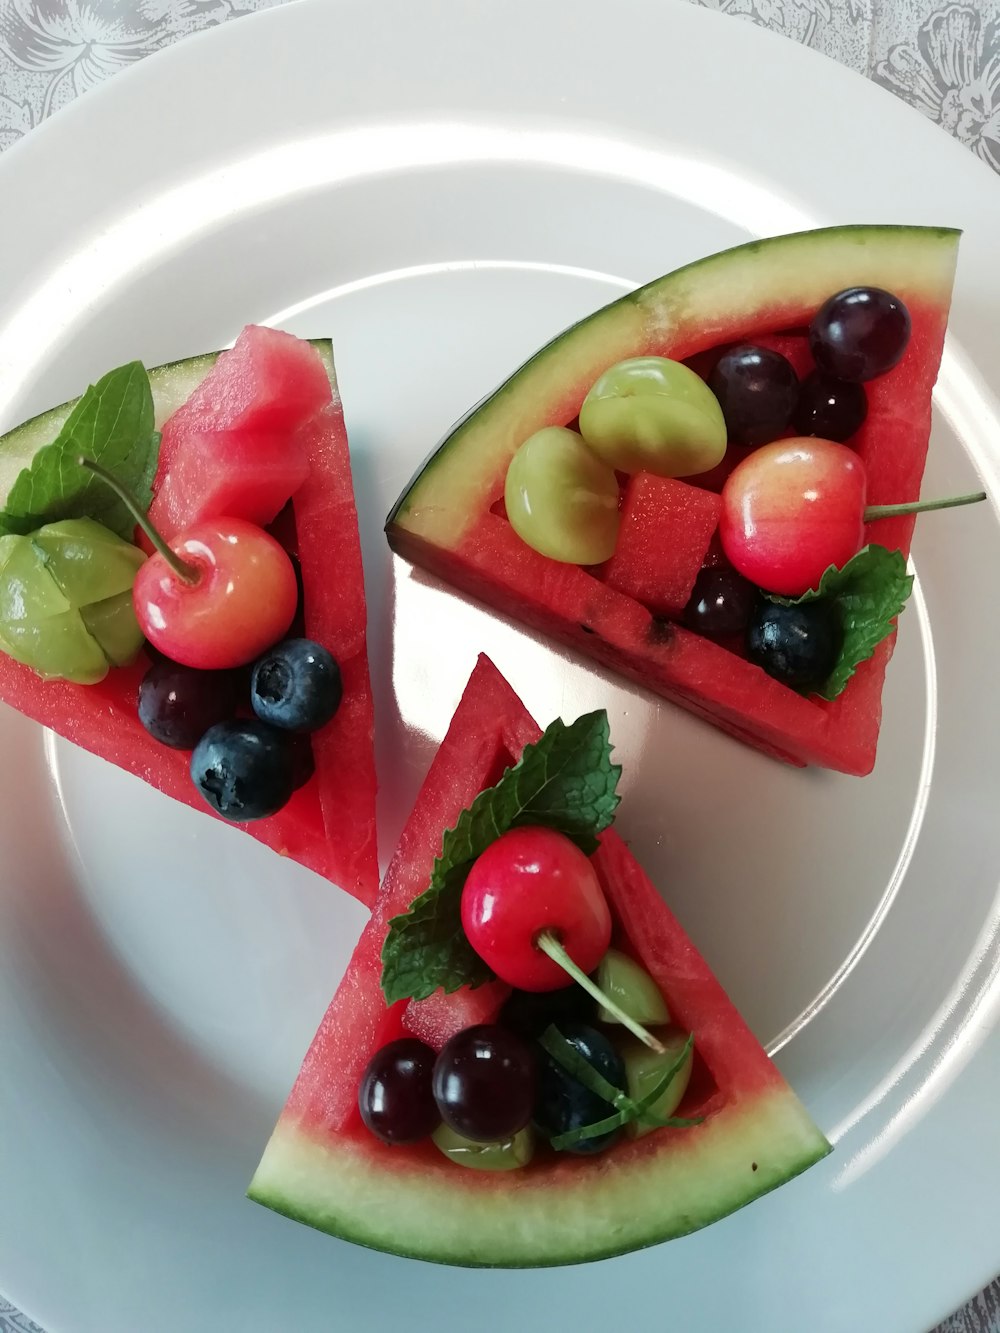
(239,600)
(792,509)
(529,881)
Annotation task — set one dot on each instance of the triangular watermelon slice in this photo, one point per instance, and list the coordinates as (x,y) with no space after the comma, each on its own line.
(450,518)
(323,1167)
(268,408)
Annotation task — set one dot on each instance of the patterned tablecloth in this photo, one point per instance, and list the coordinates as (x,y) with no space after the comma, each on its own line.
(943,58)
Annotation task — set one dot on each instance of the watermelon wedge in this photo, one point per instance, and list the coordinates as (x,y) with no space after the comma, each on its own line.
(449,520)
(322,1166)
(247,428)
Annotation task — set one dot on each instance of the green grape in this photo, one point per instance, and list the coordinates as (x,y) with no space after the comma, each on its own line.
(644,1069)
(632,989)
(508,1155)
(650,414)
(66,600)
(561,499)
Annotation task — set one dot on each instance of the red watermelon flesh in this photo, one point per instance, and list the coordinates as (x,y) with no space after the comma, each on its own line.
(247,474)
(666,529)
(765,293)
(255,398)
(438,1018)
(329,824)
(324,1168)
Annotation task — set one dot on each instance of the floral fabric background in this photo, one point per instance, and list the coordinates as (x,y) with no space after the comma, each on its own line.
(943,58)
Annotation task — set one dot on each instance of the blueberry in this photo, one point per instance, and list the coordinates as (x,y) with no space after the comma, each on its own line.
(564,1103)
(244,769)
(296,686)
(798,645)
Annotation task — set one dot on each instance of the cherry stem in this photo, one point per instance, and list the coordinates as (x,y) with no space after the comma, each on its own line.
(187,573)
(921,506)
(549,943)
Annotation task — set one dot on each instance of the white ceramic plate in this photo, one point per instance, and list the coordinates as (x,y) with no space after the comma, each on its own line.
(442,186)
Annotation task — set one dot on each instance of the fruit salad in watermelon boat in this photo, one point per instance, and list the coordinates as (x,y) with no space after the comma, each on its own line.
(709,485)
(527,1062)
(218,650)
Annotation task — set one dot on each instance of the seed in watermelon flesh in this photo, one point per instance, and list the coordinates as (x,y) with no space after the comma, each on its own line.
(484,1083)
(831,408)
(797,645)
(721,604)
(860,333)
(757,390)
(395,1097)
(564,1103)
(651,414)
(561,499)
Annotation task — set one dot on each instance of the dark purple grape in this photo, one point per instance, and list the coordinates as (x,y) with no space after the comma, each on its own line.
(798,645)
(721,603)
(757,390)
(395,1097)
(177,704)
(859,333)
(564,1103)
(484,1083)
(830,408)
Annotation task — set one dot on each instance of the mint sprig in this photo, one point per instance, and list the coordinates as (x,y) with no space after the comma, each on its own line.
(627,1109)
(112,424)
(870,591)
(565,781)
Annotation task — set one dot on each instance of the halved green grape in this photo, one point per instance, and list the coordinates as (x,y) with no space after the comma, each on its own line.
(650,414)
(65,600)
(632,989)
(88,561)
(561,499)
(644,1069)
(509,1155)
(113,624)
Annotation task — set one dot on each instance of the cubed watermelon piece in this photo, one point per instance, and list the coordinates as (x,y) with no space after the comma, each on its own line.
(231,448)
(438,1018)
(666,529)
(249,474)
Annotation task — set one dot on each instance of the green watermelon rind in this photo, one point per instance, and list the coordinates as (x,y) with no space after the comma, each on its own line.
(762,286)
(566,1214)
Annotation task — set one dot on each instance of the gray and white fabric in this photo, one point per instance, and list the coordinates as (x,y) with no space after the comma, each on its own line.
(943,58)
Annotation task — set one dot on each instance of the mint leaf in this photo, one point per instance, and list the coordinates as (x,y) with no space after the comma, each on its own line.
(565,1053)
(112,424)
(870,592)
(565,781)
